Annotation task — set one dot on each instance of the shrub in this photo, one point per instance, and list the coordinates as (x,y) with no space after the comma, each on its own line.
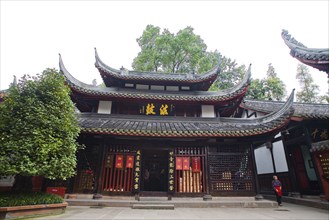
(28,198)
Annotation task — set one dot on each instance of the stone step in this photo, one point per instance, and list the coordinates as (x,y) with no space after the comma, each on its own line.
(153,206)
(142,198)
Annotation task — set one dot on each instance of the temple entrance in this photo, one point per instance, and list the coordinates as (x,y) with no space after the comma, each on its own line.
(154,170)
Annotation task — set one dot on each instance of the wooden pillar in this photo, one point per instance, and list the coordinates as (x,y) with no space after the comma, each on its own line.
(206,168)
(255,170)
(99,169)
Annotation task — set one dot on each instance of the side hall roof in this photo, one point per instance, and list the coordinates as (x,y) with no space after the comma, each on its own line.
(302,110)
(315,57)
(116,78)
(202,97)
(180,127)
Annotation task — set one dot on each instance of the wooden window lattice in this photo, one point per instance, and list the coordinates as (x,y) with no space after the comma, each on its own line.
(187,181)
(230,169)
(114,178)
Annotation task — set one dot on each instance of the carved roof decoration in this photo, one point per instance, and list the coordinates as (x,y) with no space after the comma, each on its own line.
(109,93)
(315,57)
(180,127)
(117,78)
(302,110)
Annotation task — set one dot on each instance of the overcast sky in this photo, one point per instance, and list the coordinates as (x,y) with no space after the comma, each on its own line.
(34,32)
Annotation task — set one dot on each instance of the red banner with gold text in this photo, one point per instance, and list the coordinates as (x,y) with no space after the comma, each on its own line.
(196,164)
(179,163)
(130,161)
(119,161)
(186,163)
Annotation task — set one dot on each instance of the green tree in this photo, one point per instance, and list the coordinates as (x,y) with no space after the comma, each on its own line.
(269,88)
(256,89)
(182,53)
(309,90)
(38,128)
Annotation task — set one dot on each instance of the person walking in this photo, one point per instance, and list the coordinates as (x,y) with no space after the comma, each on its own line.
(277,187)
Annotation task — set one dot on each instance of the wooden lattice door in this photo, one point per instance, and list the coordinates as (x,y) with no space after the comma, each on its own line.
(230,170)
(118,165)
(190,169)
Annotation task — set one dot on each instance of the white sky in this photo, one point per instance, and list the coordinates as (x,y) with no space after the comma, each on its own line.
(34,32)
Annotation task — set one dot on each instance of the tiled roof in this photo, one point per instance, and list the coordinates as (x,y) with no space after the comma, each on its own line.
(315,57)
(302,110)
(156,126)
(183,96)
(204,80)
(320,146)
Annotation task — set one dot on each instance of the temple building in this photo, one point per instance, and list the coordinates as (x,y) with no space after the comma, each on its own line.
(164,134)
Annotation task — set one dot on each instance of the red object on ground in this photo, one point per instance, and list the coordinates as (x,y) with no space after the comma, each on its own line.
(57,191)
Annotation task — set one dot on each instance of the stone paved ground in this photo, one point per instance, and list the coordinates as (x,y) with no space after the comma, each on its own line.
(288,211)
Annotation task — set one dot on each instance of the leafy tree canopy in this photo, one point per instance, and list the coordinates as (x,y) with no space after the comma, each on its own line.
(309,92)
(38,128)
(183,52)
(269,88)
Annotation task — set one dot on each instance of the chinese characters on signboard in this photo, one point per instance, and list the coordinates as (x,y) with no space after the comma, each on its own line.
(319,134)
(137,172)
(324,160)
(171,176)
(157,109)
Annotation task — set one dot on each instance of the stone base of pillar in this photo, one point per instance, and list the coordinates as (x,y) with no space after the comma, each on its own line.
(259,197)
(207,197)
(97,196)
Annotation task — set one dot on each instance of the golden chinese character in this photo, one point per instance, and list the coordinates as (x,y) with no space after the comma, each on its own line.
(171,153)
(324,134)
(314,133)
(171,164)
(136,186)
(137,163)
(164,109)
(137,169)
(150,109)
(138,152)
(171,176)
(136,179)
(171,182)
(136,174)
(171,188)
(138,157)
(171,171)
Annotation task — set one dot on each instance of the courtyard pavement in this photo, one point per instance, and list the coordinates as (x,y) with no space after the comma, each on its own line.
(287,211)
